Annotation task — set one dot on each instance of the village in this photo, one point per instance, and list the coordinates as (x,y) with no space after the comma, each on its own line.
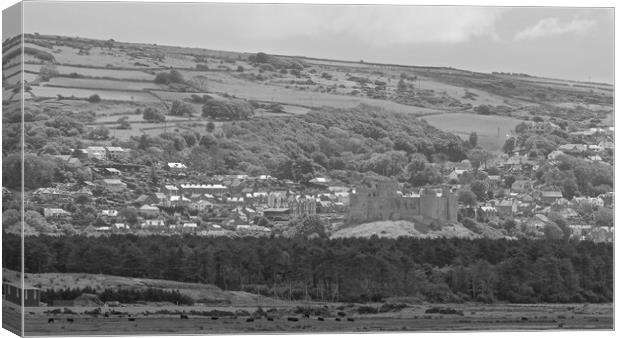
(172,198)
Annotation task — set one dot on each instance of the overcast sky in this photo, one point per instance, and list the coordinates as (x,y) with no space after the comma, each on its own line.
(570,43)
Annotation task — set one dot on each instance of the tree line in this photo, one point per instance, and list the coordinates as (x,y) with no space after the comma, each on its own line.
(125,296)
(436,270)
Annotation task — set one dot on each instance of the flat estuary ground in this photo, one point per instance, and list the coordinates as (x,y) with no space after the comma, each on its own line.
(497,317)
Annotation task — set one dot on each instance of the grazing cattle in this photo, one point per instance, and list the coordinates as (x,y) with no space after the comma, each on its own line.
(270,319)
(131,319)
(184,317)
(214,318)
(106,315)
(306,315)
(249,320)
(70,320)
(342,314)
(51,320)
(292,319)
(320,319)
(338,319)
(350,319)
(524,319)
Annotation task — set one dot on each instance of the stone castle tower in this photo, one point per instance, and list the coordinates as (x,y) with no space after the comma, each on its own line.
(381,201)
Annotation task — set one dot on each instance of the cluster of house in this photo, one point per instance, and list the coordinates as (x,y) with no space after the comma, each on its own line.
(215,205)
(185,200)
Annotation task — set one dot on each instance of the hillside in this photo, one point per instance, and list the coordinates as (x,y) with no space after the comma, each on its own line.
(68,71)
(395,229)
(203,293)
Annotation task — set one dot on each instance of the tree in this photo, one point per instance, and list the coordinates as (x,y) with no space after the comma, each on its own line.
(94,98)
(174,76)
(38,171)
(123,123)
(232,109)
(509,145)
(10,218)
(99,133)
(35,220)
(479,188)
(509,180)
(153,115)
(129,214)
(473,139)
(604,217)
(467,197)
(419,172)
(208,141)
(521,127)
(210,126)
(402,85)
(478,157)
(483,110)
(200,82)
(553,232)
(180,108)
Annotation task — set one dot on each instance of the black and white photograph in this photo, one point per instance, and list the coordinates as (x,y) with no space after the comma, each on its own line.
(221,168)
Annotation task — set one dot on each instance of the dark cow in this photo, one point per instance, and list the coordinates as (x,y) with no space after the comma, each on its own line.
(292,319)
(320,319)
(214,318)
(249,320)
(350,319)
(342,314)
(270,319)
(184,317)
(51,320)
(70,320)
(338,319)
(131,319)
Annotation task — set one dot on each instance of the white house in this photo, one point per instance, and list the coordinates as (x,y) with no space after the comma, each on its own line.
(96,152)
(148,210)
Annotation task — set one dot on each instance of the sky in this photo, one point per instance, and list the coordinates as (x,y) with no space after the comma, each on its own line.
(558,42)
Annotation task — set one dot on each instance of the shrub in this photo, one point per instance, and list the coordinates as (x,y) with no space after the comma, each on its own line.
(94,98)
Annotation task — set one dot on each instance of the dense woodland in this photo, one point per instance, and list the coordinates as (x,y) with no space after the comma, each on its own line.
(437,270)
(344,144)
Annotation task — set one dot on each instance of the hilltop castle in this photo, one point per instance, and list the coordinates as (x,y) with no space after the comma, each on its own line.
(382,201)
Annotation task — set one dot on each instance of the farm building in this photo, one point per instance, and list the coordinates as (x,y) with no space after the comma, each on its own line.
(114,185)
(13,293)
(117,153)
(95,152)
(55,213)
(548,197)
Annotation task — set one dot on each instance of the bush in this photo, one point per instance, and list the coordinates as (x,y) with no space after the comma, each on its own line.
(94,98)
(228,110)
(444,311)
(174,76)
(153,115)
(180,108)
(367,310)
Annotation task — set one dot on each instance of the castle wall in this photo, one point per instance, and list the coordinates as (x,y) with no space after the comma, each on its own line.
(381,202)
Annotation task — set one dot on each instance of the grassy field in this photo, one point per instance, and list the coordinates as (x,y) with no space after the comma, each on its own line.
(81,93)
(96,84)
(491,129)
(96,72)
(510,317)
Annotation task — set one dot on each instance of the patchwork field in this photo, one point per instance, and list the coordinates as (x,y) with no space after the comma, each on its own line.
(492,130)
(101,84)
(81,93)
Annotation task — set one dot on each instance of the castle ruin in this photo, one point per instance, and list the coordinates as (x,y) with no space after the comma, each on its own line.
(382,201)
